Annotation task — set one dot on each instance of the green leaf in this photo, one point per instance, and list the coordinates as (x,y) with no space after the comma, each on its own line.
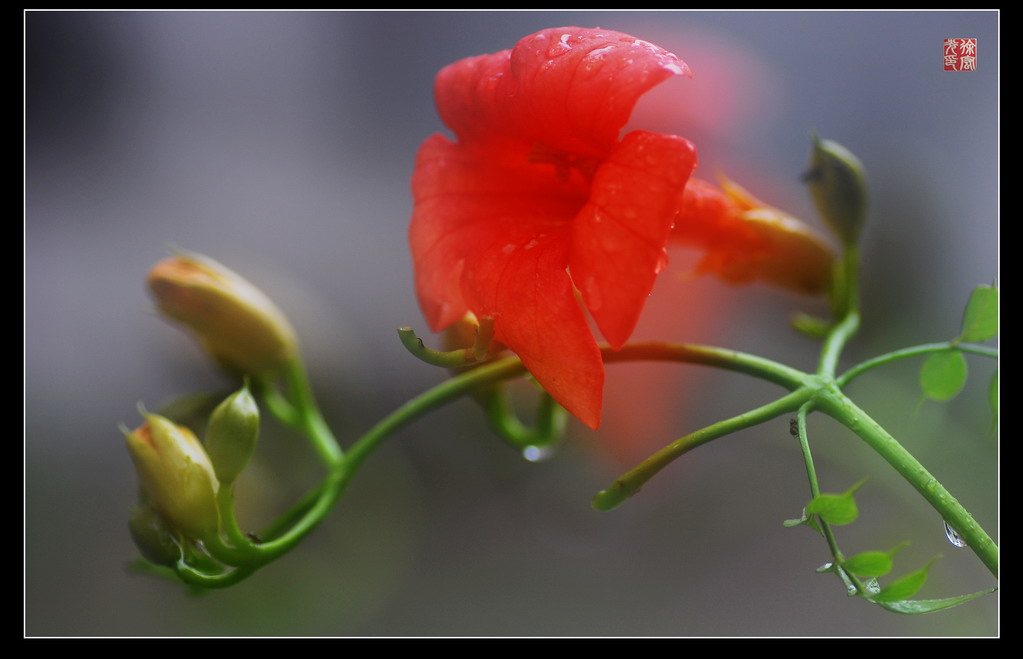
(905,587)
(943,375)
(916,607)
(869,564)
(980,320)
(836,509)
(872,563)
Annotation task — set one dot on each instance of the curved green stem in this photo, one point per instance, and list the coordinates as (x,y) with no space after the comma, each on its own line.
(849,312)
(631,482)
(836,404)
(342,473)
(449,359)
(913,351)
(815,490)
(549,424)
(309,416)
(228,521)
(278,405)
(729,360)
(311,510)
(193,577)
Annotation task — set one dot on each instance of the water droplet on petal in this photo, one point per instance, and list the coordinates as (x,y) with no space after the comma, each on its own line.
(662,262)
(953,536)
(560,47)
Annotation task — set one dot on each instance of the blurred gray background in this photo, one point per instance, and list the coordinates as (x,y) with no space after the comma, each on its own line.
(282,144)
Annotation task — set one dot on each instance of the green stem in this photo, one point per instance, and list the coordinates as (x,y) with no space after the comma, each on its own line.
(849,313)
(631,482)
(836,404)
(549,424)
(729,360)
(804,445)
(278,405)
(291,516)
(227,554)
(342,473)
(815,490)
(913,351)
(228,521)
(485,375)
(310,418)
(449,359)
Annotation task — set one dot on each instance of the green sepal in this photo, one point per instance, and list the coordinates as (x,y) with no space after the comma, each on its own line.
(154,537)
(980,319)
(943,375)
(904,587)
(837,509)
(805,520)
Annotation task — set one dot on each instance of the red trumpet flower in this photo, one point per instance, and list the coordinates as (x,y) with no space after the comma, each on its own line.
(539,198)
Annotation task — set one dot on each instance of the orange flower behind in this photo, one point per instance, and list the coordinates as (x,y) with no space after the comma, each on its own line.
(746,240)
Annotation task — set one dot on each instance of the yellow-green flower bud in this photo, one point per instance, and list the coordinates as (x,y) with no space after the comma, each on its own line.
(231,434)
(234,321)
(153,537)
(176,475)
(838,185)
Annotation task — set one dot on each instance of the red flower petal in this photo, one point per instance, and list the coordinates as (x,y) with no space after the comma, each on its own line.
(519,279)
(619,236)
(570,89)
(466,195)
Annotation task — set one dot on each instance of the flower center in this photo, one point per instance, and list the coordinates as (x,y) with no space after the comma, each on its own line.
(563,162)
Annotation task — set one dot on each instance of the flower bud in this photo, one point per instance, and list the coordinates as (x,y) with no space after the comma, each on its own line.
(153,537)
(838,185)
(176,475)
(235,321)
(231,434)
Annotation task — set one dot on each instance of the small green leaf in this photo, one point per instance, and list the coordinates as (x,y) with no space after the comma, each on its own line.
(872,563)
(905,587)
(980,320)
(916,607)
(943,375)
(835,509)
(869,564)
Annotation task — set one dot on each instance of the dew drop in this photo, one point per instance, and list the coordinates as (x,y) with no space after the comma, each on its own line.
(953,536)
(599,53)
(662,262)
(560,47)
(537,453)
